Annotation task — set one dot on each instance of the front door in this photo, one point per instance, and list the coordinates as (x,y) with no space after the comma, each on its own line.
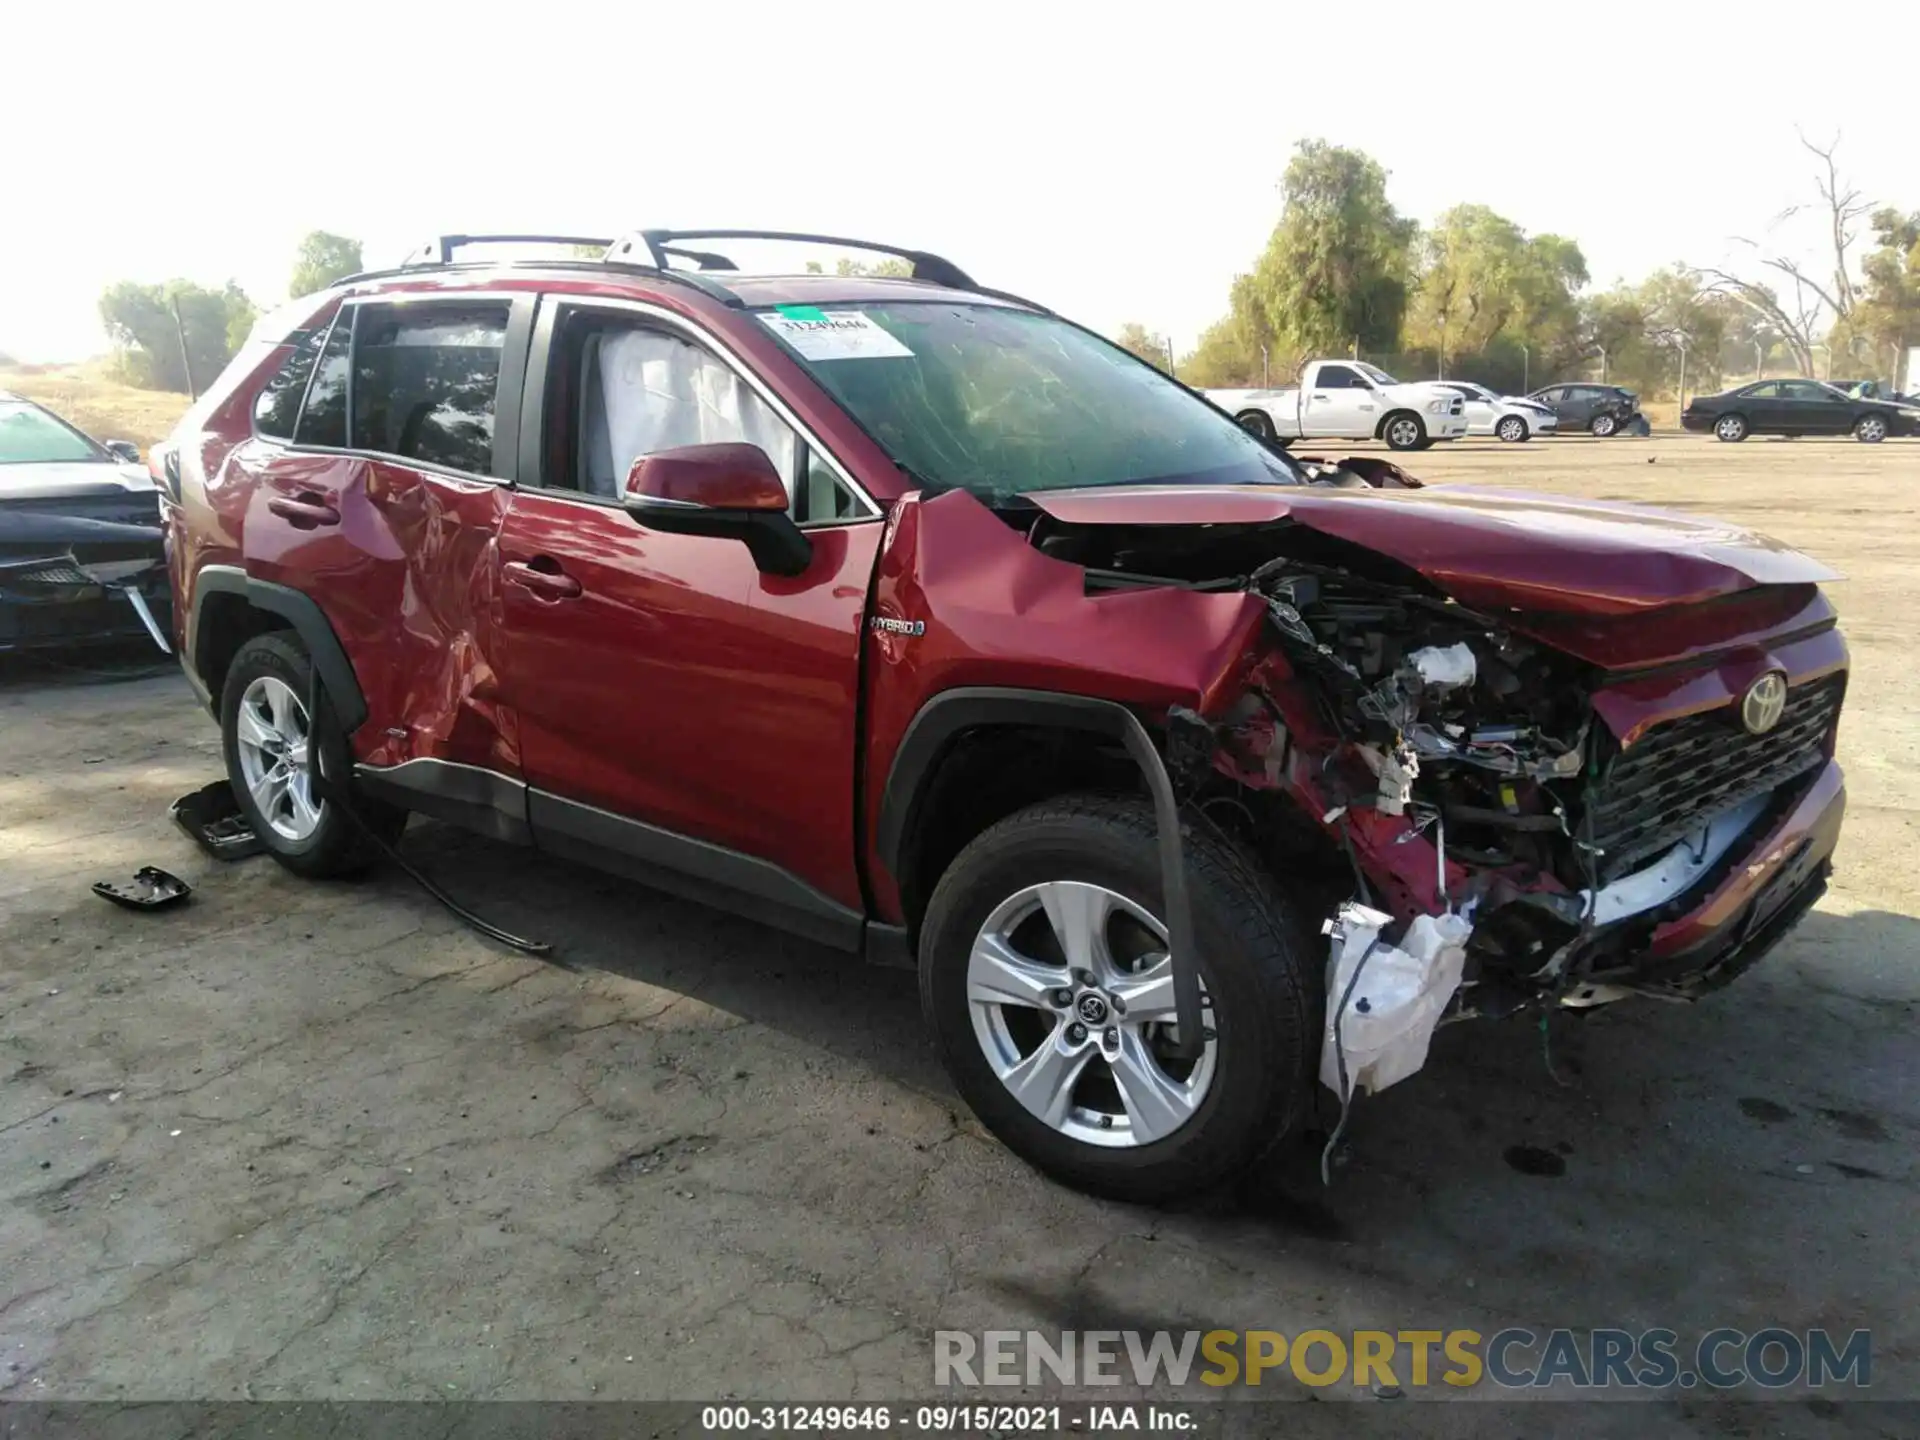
(682,716)
(1339,403)
(1813,409)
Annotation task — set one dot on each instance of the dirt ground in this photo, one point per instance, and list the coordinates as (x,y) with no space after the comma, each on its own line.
(309,1141)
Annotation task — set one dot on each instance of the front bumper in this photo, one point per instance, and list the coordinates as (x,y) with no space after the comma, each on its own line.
(82,616)
(1761,897)
(1446,427)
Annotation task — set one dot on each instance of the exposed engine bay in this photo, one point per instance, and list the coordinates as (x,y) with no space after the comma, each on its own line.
(1439,766)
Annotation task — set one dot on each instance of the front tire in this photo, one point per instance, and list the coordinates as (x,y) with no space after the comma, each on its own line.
(273,746)
(1730,428)
(1047,920)
(1604,425)
(1404,431)
(1870,429)
(1512,429)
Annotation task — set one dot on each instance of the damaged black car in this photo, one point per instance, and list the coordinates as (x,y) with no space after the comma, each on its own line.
(82,556)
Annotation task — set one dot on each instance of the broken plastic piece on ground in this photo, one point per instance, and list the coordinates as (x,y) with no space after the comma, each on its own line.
(214,819)
(150,888)
(1388,1020)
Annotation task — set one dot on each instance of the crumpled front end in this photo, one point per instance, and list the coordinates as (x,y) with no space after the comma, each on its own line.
(68,578)
(1597,802)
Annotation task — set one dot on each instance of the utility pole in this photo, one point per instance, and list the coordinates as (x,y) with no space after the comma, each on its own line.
(1759,359)
(180,331)
(1169,345)
(1681,340)
(1265,384)
(1526,368)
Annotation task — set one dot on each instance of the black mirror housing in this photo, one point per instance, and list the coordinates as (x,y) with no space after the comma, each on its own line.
(777,545)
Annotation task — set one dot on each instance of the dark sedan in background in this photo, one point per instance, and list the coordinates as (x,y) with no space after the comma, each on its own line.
(1597,409)
(1797,407)
(82,556)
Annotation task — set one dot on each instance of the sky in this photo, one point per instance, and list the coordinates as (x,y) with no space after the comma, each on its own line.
(1115,162)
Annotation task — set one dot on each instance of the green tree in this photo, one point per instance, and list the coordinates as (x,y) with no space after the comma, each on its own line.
(322,260)
(1485,289)
(1137,339)
(1335,270)
(1887,318)
(147,323)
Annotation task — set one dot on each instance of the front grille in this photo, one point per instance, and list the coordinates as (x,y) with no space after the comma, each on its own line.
(1685,771)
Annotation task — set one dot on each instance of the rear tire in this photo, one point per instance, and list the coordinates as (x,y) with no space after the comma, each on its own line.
(1258,424)
(1730,428)
(1404,430)
(1870,429)
(1175,1133)
(1604,425)
(271,744)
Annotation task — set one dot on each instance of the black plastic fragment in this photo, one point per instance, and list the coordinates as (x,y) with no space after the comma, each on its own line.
(149,889)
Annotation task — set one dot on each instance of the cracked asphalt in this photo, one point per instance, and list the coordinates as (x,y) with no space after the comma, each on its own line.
(319,1141)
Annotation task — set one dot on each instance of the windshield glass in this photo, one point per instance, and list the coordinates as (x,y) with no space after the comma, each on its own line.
(1001,401)
(1374,373)
(29,435)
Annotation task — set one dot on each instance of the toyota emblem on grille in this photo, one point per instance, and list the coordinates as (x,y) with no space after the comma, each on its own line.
(1761,706)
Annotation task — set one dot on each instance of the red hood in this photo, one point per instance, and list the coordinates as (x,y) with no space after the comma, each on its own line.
(1491,549)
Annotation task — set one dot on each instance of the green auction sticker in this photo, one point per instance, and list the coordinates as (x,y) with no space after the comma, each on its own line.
(802,312)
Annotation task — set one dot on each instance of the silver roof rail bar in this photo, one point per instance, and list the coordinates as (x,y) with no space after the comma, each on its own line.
(439,251)
(654,247)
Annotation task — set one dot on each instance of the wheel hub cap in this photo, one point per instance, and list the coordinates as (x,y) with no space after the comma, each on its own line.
(1071,994)
(276,757)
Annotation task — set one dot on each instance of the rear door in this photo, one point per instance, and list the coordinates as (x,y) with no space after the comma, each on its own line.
(1764,407)
(1339,402)
(683,717)
(383,503)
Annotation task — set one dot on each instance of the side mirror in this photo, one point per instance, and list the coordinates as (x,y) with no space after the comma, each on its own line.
(729,491)
(124,450)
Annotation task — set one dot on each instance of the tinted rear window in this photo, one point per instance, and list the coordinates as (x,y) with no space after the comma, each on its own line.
(323,420)
(278,407)
(424,381)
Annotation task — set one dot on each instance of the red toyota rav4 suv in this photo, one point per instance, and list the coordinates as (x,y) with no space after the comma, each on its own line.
(909,616)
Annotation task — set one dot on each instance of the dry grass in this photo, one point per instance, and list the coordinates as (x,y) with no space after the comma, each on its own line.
(87,395)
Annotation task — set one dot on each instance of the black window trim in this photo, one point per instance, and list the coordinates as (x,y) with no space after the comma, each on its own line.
(554,307)
(506,399)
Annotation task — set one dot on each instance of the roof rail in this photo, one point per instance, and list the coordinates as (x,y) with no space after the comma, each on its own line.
(439,251)
(657,245)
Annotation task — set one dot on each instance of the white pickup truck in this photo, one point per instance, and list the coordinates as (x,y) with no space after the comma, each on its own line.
(1349,399)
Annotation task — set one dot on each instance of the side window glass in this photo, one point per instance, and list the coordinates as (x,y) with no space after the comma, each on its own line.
(1768,391)
(278,405)
(1337,377)
(323,419)
(425,378)
(1552,397)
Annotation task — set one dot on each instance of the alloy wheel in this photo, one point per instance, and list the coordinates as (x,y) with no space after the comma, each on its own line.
(1403,433)
(274,740)
(1512,428)
(1071,993)
(1730,427)
(1871,428)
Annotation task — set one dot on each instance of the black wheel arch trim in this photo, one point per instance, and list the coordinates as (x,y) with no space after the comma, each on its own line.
(309,622)
(944,717)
